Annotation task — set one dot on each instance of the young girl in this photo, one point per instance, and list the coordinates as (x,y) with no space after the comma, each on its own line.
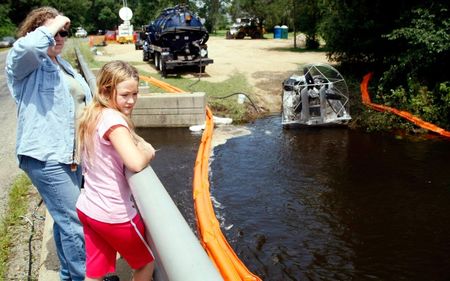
(108,145)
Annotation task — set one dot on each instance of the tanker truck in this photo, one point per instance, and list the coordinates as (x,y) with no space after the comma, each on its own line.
(176,38)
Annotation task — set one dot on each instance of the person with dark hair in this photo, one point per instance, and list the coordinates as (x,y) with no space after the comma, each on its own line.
(49,94)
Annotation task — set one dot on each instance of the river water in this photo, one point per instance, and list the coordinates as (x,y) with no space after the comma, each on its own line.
(323,204)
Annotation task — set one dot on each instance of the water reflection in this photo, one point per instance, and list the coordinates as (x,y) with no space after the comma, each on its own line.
(335,204)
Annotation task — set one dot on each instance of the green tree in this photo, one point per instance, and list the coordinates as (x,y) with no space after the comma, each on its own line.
(307,17)
(214,12)
(19,10)
(427,39)
(279,13)
(104,15)
(212,8)
(76,10)
(406,44)
(418,75)
(354,30)
(6,25)
(269,12)
(147,11)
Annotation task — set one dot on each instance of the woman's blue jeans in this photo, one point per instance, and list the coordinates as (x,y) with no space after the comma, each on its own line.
(59,187)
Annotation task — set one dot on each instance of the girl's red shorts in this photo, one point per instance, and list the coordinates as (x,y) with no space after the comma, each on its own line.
(105,240)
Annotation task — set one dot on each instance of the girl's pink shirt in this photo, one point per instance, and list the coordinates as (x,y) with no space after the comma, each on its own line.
(107,196)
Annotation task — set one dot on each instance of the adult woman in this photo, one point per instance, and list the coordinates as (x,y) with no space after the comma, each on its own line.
(49,94)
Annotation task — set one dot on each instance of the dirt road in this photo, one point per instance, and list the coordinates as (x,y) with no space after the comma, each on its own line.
(265,63)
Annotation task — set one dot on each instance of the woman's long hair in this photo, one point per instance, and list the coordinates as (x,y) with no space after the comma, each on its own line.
(36,18)
(111,74)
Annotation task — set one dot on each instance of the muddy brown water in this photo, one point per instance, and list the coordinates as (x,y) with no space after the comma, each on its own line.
(322,204)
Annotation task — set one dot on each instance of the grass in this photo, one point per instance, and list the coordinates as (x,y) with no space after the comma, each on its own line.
(16,208)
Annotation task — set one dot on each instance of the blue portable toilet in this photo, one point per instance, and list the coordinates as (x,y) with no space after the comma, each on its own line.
(276,32)
(284,32)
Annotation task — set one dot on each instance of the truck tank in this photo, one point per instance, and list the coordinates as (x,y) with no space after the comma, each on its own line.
(176,38)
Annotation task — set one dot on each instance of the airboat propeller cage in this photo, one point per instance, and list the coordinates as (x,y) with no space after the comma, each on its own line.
(318,96)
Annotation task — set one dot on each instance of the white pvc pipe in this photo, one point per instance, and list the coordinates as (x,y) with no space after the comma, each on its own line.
(178,253)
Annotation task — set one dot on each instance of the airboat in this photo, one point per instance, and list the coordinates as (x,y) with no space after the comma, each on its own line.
(317,97)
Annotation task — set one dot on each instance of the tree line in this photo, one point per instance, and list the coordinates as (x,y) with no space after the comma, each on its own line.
(406,43)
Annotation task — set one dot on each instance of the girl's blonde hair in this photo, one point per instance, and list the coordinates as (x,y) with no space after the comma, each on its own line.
(111,74)
(35,19)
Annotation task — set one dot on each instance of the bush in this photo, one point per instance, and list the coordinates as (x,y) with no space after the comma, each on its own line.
(431,106)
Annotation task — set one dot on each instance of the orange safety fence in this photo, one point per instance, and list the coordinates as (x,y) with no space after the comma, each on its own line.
(379,107)
(211,237)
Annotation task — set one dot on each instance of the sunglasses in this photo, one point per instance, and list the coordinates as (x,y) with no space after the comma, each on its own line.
(63,33)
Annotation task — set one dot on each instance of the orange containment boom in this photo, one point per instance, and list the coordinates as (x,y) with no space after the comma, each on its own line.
(212,239)
(160,84)
(416,120)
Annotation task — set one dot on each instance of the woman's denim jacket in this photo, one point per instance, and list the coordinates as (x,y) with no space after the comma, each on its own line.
(45,107)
